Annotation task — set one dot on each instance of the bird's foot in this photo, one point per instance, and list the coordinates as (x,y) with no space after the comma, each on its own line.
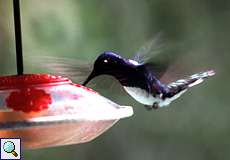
(154,106)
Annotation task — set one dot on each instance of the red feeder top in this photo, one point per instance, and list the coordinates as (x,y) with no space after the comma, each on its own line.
(27,80)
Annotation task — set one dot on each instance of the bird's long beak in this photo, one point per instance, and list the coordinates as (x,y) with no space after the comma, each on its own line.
(91,76)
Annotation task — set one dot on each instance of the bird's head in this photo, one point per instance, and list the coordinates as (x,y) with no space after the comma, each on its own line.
(107,63)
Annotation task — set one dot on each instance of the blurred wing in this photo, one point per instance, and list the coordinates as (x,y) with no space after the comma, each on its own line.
(108,83)
(75,69)
(151,48)
(157,67)
(158,71)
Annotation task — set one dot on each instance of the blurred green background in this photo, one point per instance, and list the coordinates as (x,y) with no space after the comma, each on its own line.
(196,126)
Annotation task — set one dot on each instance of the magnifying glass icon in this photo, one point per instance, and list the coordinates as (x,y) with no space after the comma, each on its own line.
(9,147)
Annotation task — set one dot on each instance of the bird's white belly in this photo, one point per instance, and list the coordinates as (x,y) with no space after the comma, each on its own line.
(145,98)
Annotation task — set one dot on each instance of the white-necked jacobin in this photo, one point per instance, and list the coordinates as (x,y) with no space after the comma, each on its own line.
(140,83)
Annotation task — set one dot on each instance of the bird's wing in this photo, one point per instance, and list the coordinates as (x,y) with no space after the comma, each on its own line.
(75,69)
(149,54)
(150,49)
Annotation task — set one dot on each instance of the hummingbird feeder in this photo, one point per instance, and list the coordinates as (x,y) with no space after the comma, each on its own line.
(49,110)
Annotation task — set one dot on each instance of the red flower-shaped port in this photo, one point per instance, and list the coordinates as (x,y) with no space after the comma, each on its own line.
(29,99)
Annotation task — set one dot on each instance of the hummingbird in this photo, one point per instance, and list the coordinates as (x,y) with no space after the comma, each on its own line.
(138,81)
(138,77)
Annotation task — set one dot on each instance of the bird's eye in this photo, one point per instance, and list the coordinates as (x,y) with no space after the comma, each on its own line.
(105,61)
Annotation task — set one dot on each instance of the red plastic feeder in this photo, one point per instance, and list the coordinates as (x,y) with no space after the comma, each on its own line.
(46,110)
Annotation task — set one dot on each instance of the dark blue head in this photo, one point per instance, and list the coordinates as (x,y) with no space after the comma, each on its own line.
(108,63)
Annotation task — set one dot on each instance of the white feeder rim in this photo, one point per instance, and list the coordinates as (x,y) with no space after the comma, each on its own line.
(106,115)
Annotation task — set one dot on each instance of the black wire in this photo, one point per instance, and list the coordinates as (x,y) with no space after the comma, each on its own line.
(18,37)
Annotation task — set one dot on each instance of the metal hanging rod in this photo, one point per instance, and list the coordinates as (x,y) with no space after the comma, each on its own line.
(18,37)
